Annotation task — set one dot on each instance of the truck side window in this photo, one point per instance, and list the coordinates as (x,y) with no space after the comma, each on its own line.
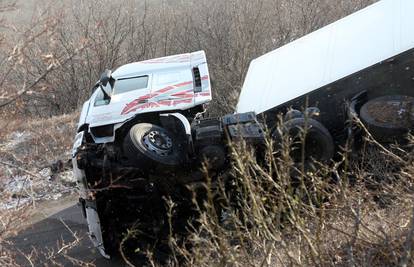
(130,84)
(121,86)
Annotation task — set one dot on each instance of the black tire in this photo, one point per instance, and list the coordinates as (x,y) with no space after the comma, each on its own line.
(319,143)
(388,118)
(143,153)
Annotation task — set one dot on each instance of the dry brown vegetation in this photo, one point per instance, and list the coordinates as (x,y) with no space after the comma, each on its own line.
(363,217)
(357,211)
(26,148)
(50,63)
(35,143)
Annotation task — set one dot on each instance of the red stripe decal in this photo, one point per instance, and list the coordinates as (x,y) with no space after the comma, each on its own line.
(133,105)
(204,94)
(183,84)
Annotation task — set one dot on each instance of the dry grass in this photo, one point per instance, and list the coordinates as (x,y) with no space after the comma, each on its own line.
(37,142)
(25,148)
(357,211)
(8,228)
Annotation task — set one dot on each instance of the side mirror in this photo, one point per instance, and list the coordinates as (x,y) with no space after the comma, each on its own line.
(106,92)
(105,77)
(103,81)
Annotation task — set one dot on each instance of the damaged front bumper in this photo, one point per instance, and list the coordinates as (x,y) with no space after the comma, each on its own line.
(87,203)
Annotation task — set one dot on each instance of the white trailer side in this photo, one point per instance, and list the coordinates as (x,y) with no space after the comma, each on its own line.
(347,46)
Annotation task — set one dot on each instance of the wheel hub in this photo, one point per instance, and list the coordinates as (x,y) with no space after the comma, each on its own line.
(158,142)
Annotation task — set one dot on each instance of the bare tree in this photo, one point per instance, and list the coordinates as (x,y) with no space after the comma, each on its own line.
(231,32)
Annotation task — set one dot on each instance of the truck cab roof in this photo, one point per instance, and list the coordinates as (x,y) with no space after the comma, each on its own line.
(159,64)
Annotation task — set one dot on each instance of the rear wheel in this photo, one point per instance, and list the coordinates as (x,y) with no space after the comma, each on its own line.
(319,143)
(148,144)
(388,118)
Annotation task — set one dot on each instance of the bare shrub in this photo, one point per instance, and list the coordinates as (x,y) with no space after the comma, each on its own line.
(84,38)
(329,216)
(26,147)
(272,211)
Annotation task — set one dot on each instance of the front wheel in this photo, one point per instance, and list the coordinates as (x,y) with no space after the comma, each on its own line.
(148,144)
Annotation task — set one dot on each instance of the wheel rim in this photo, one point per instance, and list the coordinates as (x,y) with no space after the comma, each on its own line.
(158,142)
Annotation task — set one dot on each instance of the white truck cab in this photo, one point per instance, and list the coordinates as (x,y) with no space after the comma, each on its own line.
(174,83)
(137,119)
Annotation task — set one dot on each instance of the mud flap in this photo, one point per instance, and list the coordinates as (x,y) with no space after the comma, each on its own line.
(168,120)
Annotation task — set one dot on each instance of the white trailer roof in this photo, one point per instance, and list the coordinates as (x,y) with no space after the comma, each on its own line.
(371,35)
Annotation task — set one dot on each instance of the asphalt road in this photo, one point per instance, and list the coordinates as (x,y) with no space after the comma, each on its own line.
(42,240)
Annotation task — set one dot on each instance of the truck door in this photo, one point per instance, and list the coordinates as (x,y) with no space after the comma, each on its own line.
(173,89)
